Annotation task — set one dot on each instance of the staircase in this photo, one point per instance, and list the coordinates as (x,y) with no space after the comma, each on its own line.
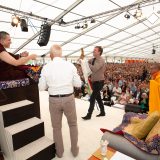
(22,134)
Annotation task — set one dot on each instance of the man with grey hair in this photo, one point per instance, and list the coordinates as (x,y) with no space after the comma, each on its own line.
(59,77)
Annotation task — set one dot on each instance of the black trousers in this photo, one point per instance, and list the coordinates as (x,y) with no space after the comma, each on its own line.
(95,96)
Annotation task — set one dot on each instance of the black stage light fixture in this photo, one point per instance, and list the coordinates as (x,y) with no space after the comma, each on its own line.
(153,51)
(61,22)
(93,20)
(44,34)
(127,16)
(85,25)
(77,26)
(24,25)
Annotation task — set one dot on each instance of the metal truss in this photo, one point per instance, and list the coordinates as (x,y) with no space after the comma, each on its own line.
(51,23)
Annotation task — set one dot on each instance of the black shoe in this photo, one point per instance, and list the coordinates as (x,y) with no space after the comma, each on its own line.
(100,115)
(87,117)
(112,103)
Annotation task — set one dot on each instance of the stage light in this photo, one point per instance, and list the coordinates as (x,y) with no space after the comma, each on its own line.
(77,26)
(138,12)
(61,22)
(15,20)
(127,16)
(153,51)
(85,25)
(24,25)
(93,20)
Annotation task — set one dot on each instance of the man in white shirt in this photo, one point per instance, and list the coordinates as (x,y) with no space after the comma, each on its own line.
(59,77)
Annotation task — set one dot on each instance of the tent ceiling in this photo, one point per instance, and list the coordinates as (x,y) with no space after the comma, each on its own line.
(119,37)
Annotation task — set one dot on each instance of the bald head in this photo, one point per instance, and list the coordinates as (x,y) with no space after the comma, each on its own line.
(55,51)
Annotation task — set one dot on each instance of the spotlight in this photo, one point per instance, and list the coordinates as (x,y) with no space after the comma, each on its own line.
(15,20)
(153,51)
(77,26)
(24,25)
(138,12)
(44,34)
(85,25)
(158,11)
(93,20)
(127,16)
(61,22)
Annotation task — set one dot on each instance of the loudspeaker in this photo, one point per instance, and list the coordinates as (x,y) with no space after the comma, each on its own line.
(44,34)
(24,25)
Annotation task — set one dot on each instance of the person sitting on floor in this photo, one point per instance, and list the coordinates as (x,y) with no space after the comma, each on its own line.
(133,88)
(106,94)
(144,103)
(117,91)
(137,95)
(123,99)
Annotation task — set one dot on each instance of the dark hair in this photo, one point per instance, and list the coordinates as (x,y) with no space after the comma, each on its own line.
(100,49)
(3,34)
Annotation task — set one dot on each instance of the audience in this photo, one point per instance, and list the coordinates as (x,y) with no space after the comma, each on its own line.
(116,91)
(144,102)
(123,99)
(126,83)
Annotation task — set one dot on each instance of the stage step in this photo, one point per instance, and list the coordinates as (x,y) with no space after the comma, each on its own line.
(25,132)
(16,112)
(41,149)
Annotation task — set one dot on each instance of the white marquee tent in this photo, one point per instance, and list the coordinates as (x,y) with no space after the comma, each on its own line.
(131,38)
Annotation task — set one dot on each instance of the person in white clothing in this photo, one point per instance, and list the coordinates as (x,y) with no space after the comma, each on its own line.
(59,77)
(117,91)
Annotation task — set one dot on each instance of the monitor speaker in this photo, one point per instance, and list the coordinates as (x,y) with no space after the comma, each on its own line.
(44,34)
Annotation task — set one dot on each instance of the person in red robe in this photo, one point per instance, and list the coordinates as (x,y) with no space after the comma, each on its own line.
(8,62)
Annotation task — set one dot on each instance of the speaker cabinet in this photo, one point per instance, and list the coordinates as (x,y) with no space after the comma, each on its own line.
(44,34)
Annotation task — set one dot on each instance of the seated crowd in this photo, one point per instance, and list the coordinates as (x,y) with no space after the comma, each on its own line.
(125,84)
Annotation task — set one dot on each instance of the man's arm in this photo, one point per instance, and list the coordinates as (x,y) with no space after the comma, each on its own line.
(42,81)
